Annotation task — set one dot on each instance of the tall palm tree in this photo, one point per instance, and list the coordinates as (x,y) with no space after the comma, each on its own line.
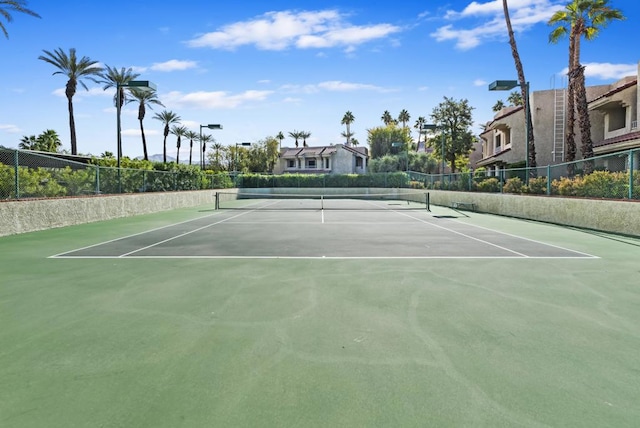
(167,117)
(13,5)
(280,137)
(145,98)
(178,131)
(75,70)
(404,117)
(217,148)
(581,18)
(304,135)
(295,135)
(387,119)
(347,120)
(524,88)
(204,139)
(191,135)
(418,125)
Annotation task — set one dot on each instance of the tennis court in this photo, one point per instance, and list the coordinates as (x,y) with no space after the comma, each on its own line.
(280,312)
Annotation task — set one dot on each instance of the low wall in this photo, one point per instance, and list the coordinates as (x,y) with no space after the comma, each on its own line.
(30,215)
(621,217)
(605,215)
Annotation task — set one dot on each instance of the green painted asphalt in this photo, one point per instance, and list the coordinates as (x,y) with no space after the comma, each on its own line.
(309,342)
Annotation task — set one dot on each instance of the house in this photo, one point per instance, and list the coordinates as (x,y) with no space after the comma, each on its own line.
(336,159)
(613,112)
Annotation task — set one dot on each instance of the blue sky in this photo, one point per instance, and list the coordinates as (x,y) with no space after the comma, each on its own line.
(261,67)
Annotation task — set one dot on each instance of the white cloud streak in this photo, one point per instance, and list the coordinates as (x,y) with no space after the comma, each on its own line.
(214,100)
(288,29)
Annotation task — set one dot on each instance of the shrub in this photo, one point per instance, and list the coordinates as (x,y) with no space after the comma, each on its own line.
(489,185)
(537,186)
(513,185)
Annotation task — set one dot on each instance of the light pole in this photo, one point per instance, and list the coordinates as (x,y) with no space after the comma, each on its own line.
(210,126)
(433,128)
(506,85)
(139,84)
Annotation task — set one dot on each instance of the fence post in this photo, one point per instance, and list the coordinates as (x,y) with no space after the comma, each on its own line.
(548,180)
(97,191)
(630,174)
(16,180)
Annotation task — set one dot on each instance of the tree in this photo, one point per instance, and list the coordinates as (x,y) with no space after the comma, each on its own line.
(499,105)
(204,139)
(75,70)
(28,143)
(454,118)
(146,98)
(167,117)
(515,99)
(179,132)
(295,135)
(191,135)
(580,18)
(381,140)
(280,137)
(48,141)
(387,119)
(347,120)
(304,135)
(418,125)
(13,5)
(404,117)
(524,89)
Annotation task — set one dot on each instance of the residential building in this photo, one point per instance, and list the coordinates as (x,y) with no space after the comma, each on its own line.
(336,159)
(613,112)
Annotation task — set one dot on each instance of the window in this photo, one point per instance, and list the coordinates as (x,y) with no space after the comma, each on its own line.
(358,162)
(291,163)
(326,163)
(311,163)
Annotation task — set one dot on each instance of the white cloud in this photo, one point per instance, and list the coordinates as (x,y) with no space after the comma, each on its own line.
(607,71)
(332,86)
(214,100)
(480,82)
(173,65)
(11,129)
(81,93)
(286,29)
(485,21)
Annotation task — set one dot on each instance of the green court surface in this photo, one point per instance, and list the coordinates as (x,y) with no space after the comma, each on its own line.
(395,317)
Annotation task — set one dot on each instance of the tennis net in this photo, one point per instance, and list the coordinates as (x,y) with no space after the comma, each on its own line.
(294,201)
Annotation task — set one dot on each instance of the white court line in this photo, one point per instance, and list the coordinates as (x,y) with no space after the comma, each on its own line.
(515,257)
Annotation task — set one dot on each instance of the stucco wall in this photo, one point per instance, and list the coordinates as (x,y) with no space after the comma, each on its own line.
(31,215)
(605,215)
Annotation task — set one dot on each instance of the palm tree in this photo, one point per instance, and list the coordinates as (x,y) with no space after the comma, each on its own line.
(167,117)
(178,131)
(499,105)
(75,71)
(404,117)
(354,142)
(386,118)
(146,98)
(347,120)
(13,5)
(295,135)
(280,137)
(204,139)
(191,135)
(580,18)
(304,135)
(49,141)
(524,89)
(348,136)
(418,125)
(28,143)
(217,148)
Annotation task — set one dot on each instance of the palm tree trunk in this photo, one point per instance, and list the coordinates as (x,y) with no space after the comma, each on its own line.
(571,99)
(72,127)
(144,142)
(524,87)
(190,150)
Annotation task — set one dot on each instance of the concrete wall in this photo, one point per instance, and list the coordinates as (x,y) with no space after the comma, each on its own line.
(31,215)
(605,215)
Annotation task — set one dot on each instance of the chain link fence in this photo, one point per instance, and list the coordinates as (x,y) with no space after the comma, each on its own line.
(614,176)
(25,174)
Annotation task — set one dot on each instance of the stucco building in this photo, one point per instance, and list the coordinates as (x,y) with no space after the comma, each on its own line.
(336,159)
(613,112)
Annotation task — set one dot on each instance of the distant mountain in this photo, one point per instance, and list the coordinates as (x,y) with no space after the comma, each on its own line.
(157,158)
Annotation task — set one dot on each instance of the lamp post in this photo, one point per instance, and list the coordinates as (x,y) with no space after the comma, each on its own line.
(210,126)
(506,85)
(138,84)
(433,128)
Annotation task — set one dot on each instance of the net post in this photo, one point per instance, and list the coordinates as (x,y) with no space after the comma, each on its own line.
(322,202)
(217,202)
(427,198)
